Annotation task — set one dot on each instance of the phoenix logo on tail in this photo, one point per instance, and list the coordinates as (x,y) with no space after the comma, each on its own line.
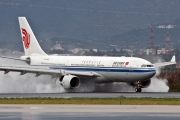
(26,38)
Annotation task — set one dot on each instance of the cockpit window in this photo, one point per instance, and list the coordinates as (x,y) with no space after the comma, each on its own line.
(147,66)
(150,66)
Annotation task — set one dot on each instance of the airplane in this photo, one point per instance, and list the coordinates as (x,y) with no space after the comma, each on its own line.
(72,70)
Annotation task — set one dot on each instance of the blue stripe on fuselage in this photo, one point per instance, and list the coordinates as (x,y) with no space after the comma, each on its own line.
(104,69)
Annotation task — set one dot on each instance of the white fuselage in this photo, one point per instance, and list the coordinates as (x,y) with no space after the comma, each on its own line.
(111,69)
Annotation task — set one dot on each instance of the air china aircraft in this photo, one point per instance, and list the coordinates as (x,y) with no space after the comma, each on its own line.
(71,70)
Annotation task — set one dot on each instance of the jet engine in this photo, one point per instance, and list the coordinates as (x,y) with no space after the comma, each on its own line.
(69,81)
(146,84)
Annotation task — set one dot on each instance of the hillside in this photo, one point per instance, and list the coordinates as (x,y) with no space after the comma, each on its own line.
(140,38)
(88,23)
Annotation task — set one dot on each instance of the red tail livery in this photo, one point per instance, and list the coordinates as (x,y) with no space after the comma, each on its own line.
(26,38)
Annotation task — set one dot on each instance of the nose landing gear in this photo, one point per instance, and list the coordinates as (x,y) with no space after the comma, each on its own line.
(139,86)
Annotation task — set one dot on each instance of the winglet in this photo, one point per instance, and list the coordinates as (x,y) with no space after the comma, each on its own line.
(173,59)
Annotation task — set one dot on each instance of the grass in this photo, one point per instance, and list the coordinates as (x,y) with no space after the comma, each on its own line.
(93,101)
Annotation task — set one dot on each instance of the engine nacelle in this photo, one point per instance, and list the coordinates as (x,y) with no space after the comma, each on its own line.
(146,84)
(69,81)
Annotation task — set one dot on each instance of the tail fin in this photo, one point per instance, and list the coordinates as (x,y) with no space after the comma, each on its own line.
(173,59)
(30,43)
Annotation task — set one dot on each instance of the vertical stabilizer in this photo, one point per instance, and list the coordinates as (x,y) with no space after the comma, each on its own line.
(30,43)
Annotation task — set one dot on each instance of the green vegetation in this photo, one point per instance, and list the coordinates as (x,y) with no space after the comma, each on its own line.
(100,101)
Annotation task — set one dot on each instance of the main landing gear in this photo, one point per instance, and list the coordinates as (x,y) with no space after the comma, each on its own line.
(139,86)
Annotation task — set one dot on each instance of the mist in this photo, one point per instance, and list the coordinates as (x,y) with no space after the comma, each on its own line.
(157,84)
(13,82)
(115,87)
(28,83)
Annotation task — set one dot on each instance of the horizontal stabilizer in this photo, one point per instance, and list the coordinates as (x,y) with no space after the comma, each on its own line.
(172,62)
(173,59)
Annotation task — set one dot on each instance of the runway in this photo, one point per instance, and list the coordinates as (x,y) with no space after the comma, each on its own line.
(90,95)
(89,112)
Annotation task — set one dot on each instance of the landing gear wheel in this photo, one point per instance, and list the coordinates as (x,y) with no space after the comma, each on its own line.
(139,86)
(138,89)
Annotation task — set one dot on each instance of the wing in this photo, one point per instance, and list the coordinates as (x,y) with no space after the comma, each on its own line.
(172,62)
(44,70)
(23,69)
